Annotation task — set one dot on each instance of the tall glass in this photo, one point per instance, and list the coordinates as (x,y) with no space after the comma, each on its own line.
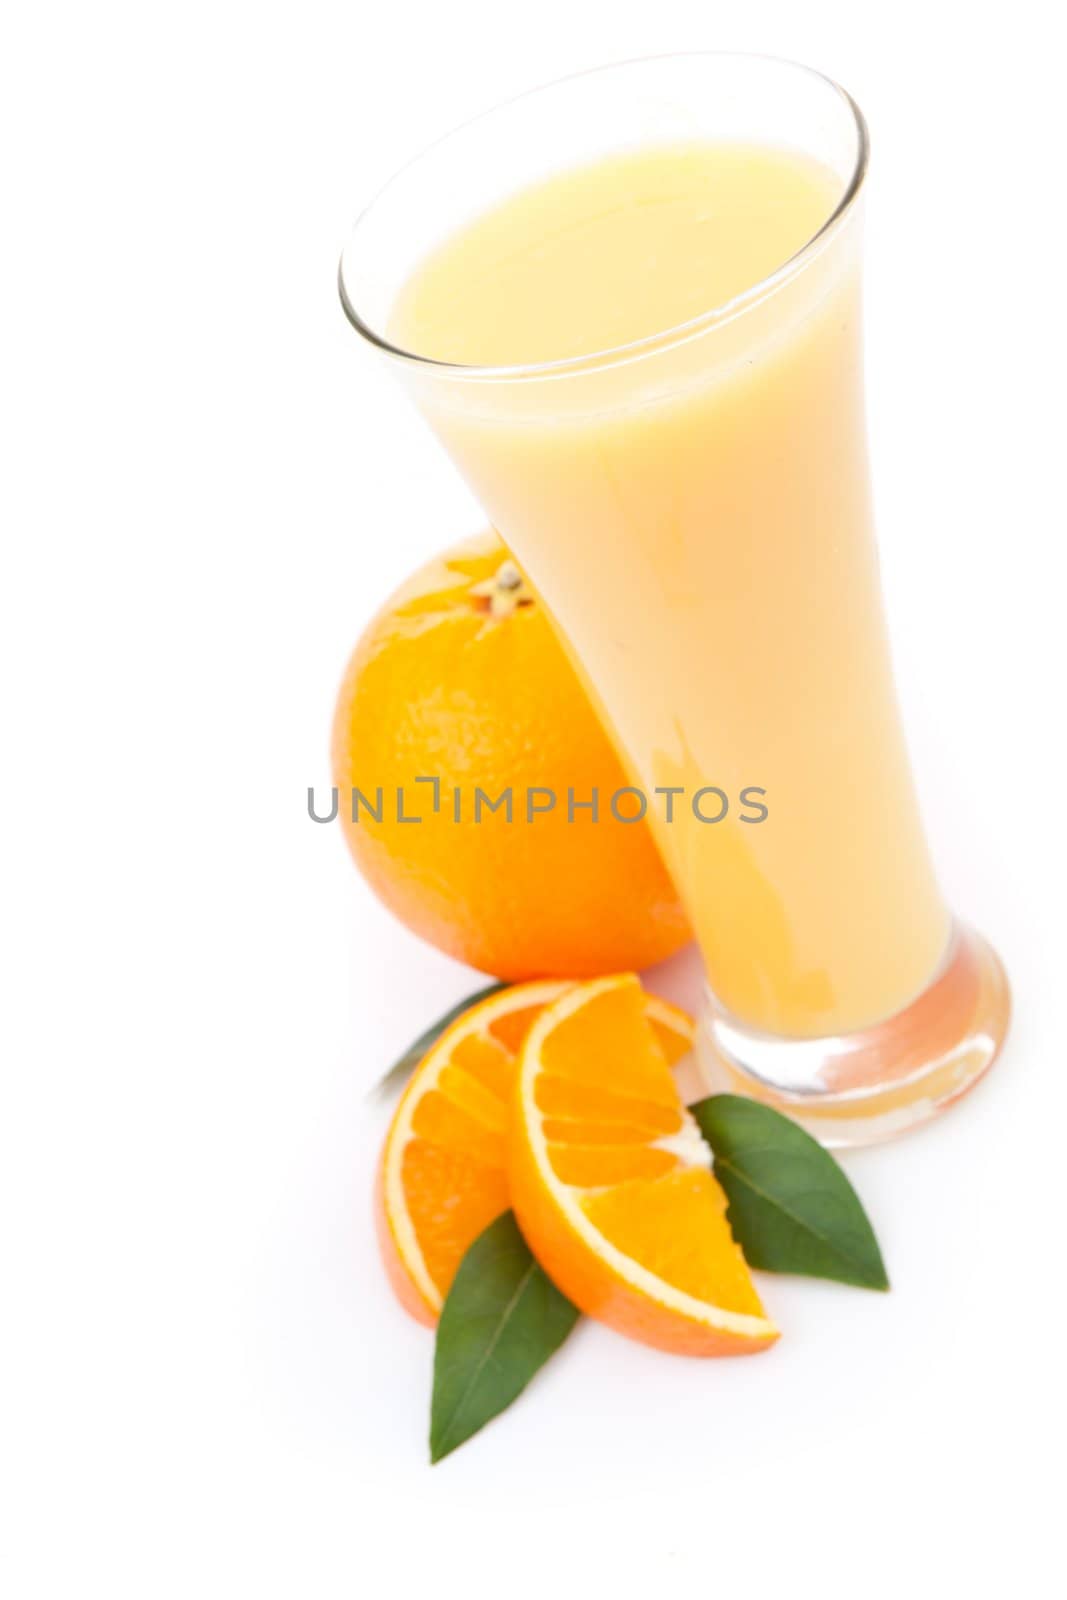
(695,510)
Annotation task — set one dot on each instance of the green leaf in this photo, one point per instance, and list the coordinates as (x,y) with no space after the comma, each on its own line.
(791,1207)
(402,1069)
(501,1321)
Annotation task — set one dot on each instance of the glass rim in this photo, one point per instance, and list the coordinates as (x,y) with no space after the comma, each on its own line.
(664,338)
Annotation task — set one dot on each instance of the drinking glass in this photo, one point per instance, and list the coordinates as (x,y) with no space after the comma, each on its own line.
(694,509)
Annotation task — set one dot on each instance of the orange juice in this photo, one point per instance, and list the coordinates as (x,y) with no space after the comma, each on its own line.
(687,485)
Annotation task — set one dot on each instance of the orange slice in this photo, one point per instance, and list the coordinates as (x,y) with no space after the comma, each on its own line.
(612,1183)
(442,1177)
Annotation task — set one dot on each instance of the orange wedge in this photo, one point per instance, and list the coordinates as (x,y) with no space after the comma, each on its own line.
(612,1183)
(443,1172)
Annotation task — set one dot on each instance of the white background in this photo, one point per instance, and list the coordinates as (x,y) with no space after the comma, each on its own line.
(207,489)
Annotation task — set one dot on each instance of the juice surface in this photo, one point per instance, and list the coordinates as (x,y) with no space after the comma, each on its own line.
(698,523)
(603,255)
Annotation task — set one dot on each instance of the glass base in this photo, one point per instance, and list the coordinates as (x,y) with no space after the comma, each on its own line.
(860,1088)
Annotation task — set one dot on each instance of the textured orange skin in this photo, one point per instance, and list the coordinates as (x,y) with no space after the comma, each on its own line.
(409,1296)
(438,688)
(588,1282)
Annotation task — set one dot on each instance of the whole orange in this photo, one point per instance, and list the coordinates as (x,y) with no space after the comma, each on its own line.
(461,683)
